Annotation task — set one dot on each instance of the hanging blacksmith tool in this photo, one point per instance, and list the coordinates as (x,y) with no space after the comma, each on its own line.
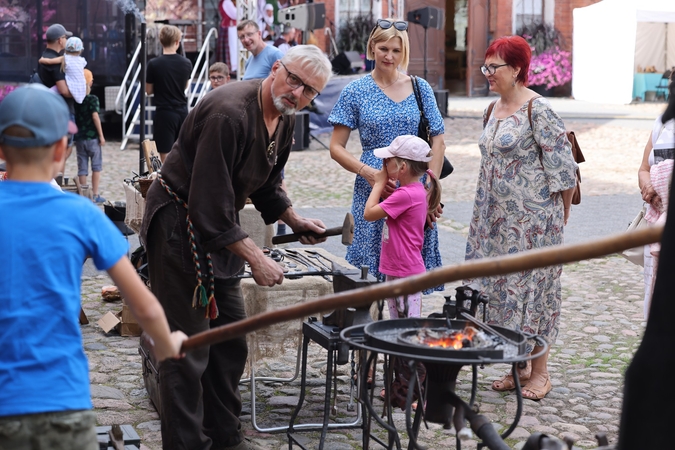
(346,231)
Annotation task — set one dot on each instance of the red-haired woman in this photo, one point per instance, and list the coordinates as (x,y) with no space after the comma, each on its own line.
(523,199)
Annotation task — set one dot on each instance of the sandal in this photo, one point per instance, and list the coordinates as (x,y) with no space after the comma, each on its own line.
(537,392)
(507,383)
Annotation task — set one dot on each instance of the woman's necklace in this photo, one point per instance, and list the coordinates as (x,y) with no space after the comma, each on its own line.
(398,74)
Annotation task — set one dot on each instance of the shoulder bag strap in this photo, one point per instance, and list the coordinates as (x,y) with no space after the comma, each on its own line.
(418,96)
(489,111)
(529,110)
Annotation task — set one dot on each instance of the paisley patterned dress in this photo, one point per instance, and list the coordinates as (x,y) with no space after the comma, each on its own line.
(519,207)
(364,106)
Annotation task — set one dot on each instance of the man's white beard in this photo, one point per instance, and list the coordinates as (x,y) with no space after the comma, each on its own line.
(281,106)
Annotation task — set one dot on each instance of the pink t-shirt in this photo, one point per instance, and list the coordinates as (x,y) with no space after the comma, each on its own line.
(403,232)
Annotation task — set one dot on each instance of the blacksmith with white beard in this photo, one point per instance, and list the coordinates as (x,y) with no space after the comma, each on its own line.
(232,146)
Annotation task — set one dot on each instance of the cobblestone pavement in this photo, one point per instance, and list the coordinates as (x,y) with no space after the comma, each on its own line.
(600,327)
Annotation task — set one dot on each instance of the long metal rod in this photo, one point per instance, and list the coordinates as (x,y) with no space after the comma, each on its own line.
(141,134)
(487,328)
(292,275)
(481,268)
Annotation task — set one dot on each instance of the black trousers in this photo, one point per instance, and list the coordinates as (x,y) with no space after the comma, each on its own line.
(166,126)
(199,393)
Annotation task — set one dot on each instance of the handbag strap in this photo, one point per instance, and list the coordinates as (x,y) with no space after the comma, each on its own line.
(529,110)
(489,111)
(418,95)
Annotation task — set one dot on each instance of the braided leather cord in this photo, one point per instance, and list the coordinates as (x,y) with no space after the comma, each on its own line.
(199,297)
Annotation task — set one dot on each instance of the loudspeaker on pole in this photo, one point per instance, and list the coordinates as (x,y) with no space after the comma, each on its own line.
(428,17)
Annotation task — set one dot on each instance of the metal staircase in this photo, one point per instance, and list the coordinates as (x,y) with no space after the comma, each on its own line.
(127,102)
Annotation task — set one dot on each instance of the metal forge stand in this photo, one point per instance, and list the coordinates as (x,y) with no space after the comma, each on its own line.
(440,403)
(327,335)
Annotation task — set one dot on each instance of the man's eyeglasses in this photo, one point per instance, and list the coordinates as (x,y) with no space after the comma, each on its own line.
(400,25)
(491,69)
(295,82)
(247,35)
(216,78)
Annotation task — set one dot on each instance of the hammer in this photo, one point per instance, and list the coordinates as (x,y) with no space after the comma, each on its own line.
(346,231)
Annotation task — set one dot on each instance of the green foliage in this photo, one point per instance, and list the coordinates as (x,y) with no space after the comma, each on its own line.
(354,34)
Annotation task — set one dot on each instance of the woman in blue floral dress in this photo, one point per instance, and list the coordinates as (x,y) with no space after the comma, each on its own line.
(523,197)
(382,106)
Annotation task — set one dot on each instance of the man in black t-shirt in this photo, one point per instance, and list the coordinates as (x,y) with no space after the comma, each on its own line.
(167,77)
(52,75)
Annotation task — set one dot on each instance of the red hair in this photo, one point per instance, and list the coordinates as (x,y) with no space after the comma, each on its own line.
(515,51)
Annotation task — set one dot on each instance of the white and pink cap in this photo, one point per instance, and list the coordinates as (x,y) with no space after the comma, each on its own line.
(406,147)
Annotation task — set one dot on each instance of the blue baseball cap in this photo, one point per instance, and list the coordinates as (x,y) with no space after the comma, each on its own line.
(39,110)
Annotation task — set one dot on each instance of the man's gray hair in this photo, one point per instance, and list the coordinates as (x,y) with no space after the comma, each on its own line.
(310,58)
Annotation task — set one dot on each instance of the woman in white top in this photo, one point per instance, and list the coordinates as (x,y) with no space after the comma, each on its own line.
(654,178)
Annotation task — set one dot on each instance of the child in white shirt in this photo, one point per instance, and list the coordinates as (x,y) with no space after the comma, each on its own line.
(73,65)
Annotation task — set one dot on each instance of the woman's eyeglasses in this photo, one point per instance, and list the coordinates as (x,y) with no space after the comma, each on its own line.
(491,69)
(400,25)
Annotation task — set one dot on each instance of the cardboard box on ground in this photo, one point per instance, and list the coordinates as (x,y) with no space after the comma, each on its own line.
(123,321)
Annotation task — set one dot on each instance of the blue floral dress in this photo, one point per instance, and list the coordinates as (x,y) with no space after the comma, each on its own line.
(364,106)
(519,207)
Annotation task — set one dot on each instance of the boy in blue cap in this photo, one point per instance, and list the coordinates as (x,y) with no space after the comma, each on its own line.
(45,401)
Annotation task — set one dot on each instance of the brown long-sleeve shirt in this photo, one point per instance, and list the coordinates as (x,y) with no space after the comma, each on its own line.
(223,156)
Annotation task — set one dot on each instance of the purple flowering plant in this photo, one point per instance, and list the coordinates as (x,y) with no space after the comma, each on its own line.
(550,65)
(550,68)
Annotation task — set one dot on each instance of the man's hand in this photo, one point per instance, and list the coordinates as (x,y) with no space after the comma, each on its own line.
(300,224)
(266,271)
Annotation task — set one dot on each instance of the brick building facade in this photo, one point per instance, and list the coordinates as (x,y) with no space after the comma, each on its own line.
(501,18)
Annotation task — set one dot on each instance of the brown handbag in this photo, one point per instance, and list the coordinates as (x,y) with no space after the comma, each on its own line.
(571,137)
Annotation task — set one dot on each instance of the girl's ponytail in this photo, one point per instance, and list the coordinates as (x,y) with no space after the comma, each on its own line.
(433,188)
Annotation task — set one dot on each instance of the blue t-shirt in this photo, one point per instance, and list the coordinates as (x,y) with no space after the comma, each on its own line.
(259,66)
(45,237)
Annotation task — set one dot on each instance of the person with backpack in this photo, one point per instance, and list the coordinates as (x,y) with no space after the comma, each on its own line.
(525,185)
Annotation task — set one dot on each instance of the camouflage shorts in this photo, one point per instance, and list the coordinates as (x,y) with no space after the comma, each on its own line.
(66,430)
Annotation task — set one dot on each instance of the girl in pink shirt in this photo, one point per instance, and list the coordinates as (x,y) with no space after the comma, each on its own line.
(406,160)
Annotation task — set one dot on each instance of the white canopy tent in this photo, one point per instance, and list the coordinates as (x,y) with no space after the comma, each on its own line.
(611,38)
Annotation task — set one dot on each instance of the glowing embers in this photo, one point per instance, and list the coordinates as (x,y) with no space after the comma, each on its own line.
(468,337)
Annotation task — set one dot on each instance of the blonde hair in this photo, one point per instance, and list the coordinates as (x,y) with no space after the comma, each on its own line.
(169,34)
(380,35)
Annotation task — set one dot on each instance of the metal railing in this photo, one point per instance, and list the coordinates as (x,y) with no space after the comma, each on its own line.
(199,80)
(127,101)
(127,95)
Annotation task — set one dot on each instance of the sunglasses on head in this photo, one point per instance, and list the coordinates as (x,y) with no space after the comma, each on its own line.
(400,25)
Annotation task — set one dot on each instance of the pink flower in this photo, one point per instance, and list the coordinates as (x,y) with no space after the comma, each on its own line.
(551,68)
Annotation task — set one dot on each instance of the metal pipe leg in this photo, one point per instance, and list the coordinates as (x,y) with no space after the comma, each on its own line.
(326,412)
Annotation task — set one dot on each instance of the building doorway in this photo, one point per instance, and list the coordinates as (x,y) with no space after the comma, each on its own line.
(456,40)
